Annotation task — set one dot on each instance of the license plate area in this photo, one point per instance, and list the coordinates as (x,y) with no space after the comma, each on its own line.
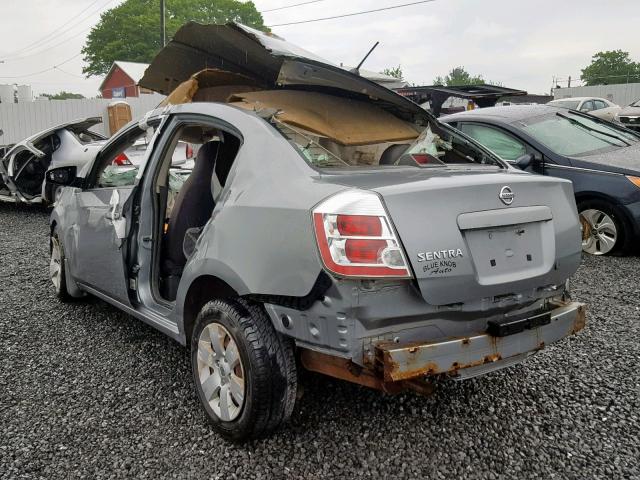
(510,326)
(511,252)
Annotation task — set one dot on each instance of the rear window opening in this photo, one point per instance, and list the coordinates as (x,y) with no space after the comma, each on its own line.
(434,147)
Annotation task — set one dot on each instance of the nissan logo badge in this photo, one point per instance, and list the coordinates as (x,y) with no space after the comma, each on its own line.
(506,195)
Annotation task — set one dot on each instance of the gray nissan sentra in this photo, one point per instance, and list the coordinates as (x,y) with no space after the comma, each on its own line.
(327,224)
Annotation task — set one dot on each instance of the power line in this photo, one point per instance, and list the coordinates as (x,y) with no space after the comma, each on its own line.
(19,57)
(352,14)
(291,6)
(53,46)
(57,66)
(40,40)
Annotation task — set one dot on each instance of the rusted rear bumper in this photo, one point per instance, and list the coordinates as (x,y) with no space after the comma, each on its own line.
(477,354)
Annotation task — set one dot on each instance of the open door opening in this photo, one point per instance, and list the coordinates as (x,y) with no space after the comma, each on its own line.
(186,195)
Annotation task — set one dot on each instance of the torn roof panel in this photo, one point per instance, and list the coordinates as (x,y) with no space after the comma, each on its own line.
(269,61)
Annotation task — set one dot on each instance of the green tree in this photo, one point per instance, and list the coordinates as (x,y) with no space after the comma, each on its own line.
(63,96)
(459,76)
(130,31)
(611,67)
(395,72)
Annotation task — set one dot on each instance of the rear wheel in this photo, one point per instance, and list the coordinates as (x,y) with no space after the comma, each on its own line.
(57,272)
(243,370)
(603,228)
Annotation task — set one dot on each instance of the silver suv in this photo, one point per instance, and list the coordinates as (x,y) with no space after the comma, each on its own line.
(325,219)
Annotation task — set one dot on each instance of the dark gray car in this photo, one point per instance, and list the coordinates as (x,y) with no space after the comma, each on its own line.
(326,219)
(601,159)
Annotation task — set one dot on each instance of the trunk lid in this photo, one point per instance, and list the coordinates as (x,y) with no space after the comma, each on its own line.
(465,243)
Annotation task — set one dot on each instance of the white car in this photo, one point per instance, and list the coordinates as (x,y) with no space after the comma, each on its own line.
(598,107)
(71,144)
(23,167)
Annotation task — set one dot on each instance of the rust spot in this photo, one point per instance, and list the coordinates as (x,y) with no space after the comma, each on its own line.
(341,368)
(466,341)
(580,321)
(492,358)
(413,349)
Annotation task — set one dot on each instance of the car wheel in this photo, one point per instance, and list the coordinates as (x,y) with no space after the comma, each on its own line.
(603,228)
(57,272)
(244,371)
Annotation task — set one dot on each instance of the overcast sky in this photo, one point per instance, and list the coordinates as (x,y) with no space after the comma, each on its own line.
(521,43)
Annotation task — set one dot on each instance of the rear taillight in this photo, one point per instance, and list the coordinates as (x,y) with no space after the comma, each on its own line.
(121,160)
(188,151)
(356,239)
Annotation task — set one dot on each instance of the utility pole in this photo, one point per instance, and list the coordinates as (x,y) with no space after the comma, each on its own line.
(163,38)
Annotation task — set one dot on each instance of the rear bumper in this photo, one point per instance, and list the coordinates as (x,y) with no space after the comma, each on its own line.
(479,354)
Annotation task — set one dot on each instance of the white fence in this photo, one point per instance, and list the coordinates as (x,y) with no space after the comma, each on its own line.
(622,94)
(20,120)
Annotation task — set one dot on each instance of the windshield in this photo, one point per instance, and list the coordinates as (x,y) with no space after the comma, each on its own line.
(435,147)
(575,135)
(571,104)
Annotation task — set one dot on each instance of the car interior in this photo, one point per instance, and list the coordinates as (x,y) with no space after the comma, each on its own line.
(434,147)
(29,169)
(183,219)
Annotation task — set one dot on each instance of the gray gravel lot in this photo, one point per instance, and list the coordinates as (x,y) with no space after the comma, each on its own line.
(87,391)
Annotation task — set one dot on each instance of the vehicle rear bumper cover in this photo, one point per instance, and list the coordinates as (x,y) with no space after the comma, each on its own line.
(406,361)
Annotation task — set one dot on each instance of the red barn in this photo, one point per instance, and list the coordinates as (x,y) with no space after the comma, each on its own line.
(122,80)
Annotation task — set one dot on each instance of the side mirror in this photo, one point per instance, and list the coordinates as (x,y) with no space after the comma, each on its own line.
(524,161)
(65,176)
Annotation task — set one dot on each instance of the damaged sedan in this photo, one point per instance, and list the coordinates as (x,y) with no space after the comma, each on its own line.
(327,223)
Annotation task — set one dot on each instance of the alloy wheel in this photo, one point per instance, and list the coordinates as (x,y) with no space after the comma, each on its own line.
(55,264)
(221,372)
(599,232)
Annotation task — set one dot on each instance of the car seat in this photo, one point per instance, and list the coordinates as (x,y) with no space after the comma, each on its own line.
(192,208)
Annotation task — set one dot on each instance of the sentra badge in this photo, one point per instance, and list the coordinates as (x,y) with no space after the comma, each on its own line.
(439,255)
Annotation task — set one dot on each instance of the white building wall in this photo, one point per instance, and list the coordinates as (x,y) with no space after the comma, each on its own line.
(21,120)
(6,94)
(24,93)
(622,94)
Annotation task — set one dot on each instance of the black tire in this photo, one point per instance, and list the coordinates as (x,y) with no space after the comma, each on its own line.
(622,242)
(60,286)
(268,366)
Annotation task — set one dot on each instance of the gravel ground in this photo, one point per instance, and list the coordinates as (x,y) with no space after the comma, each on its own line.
(86,391)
